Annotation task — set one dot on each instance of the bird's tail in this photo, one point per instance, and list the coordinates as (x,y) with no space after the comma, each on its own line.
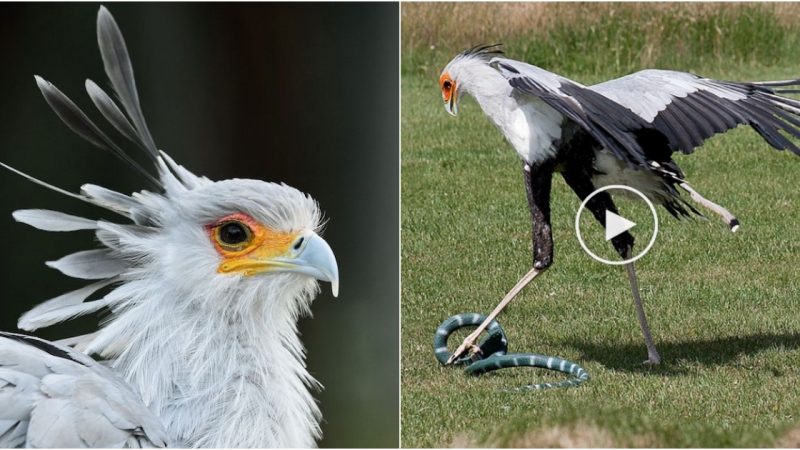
(730,219)
(788,86)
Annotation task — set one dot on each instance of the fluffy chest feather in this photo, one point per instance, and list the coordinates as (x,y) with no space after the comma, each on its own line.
(227,380)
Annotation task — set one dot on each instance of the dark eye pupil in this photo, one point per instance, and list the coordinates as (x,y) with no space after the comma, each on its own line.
(232,233)
(447,85)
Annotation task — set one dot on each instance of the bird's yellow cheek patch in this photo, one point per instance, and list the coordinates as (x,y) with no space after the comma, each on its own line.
(256,254)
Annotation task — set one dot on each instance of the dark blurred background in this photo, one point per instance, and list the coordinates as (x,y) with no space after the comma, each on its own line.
(306,94)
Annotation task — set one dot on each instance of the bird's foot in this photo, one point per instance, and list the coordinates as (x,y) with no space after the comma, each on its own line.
(467,347)
(652,360)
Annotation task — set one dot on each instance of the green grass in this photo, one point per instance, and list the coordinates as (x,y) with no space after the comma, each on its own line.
(723,306)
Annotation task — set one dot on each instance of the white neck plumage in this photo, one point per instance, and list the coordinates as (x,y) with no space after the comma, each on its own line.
(485,84)
(234,377)
(528,124)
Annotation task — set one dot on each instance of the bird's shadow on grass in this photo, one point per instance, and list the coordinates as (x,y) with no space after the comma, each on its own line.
(675,356)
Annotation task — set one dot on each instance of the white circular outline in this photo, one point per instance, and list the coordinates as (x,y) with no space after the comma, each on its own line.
(603,189)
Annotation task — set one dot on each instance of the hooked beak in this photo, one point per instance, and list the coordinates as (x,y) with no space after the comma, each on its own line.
(314,258)
(451,105)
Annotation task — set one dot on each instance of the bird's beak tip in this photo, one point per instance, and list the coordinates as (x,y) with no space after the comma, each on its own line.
(335,288)
(320,262)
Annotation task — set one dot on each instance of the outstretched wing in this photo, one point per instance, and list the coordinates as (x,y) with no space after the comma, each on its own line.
(55,397)
(616,127)
(689,109)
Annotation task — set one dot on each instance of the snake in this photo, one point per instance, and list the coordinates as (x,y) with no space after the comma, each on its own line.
(494,354)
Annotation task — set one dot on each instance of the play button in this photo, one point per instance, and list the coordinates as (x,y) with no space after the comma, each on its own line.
(616,225)
(594,237)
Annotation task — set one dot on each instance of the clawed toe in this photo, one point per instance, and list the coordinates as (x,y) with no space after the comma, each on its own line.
(467,347)
(652,361)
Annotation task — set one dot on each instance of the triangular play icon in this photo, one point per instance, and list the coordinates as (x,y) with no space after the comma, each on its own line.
(616,225)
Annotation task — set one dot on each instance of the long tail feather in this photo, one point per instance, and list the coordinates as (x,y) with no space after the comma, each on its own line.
(779,83)
(730,219)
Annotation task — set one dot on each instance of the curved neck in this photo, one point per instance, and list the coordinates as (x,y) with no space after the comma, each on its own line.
(486,85)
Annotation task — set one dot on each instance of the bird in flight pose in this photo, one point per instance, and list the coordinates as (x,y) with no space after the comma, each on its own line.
(204,282)
(622,131)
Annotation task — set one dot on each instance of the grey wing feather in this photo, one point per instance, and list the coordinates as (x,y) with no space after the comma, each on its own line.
(689,109)
(53,396)
(12,433)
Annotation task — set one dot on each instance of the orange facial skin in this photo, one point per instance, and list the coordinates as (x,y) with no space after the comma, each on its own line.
(254,255)
(448,86)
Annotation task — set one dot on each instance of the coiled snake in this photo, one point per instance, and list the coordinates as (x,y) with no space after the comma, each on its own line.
(494,355)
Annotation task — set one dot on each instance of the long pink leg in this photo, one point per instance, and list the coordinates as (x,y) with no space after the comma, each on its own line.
(469,342)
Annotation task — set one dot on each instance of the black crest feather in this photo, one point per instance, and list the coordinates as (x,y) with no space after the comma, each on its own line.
(487,51)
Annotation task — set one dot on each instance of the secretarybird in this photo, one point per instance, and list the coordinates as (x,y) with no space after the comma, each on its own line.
(204,283)
(622,131)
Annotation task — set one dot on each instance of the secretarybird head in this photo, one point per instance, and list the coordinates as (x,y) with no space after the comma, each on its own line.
(620,132)
(204,280)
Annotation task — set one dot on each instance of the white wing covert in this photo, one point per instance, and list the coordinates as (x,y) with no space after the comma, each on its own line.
(54,396)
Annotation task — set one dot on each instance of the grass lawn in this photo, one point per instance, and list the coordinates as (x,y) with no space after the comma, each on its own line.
(724,307)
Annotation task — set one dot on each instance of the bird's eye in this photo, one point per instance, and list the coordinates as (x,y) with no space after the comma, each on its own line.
(447,85)
(233,235)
